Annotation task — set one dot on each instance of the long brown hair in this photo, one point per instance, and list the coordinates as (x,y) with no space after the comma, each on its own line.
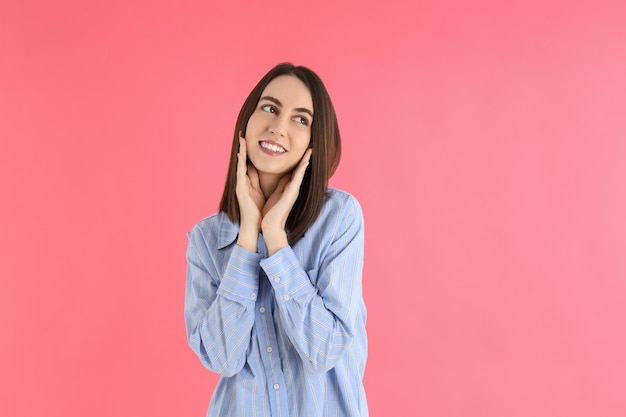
(325,141)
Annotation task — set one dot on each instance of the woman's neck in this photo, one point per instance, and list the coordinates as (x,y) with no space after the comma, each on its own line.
(268,183)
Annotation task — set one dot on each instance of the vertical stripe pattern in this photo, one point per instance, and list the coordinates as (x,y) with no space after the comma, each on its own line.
(286,332)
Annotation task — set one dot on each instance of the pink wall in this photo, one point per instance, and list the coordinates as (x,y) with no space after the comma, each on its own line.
(486,143)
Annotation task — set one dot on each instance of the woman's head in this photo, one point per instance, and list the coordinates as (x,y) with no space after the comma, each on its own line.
(324,139)
(278,132)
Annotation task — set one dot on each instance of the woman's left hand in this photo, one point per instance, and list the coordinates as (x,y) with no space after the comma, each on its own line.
(278,206)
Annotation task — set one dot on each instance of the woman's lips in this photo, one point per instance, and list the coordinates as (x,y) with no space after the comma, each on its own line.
(272,148)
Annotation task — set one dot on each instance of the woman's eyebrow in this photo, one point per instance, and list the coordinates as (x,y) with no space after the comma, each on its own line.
(273,100)
(304,110)
(279,104)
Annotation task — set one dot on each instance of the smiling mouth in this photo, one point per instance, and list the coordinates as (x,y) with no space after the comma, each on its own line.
(273,147)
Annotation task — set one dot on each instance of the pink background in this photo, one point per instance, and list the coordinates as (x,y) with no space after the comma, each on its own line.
(486,143)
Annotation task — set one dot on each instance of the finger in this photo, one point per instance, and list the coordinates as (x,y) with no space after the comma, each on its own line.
(253,174)
(243,148)
(241,160)
(298,174)
(282,182)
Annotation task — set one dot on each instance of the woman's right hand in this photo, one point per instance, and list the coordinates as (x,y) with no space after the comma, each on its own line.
(250,198)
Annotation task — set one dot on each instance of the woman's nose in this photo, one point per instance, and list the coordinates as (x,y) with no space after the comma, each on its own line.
(277,127)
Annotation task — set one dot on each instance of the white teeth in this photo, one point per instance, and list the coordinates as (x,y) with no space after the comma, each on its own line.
(272,147)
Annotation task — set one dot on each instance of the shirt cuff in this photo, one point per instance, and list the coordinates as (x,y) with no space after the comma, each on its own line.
(286,275)
(241,278)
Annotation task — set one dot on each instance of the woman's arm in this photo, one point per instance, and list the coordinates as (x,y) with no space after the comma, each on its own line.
(321,320)
(219,313)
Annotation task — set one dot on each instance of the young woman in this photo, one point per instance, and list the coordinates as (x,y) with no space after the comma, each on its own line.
(273,299)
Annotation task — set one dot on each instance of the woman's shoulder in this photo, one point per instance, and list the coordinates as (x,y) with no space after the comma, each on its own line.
(216,228)
(338,195)
(341,203)
(341,213)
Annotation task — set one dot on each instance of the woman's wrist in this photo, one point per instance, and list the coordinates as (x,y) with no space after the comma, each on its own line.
(275,240)
(248,237)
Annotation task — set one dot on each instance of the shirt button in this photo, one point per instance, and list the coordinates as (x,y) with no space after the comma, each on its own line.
(269,349)
(277,279)
(286,297)
(253,296)
(262,309)
(276,386)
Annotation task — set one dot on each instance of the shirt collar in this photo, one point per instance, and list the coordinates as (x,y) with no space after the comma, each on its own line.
(228,232)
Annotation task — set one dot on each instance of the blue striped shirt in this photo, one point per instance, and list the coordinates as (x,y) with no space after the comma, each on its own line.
(286,332)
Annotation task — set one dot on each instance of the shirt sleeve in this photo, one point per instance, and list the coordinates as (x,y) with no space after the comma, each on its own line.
(320,319)
(219,310)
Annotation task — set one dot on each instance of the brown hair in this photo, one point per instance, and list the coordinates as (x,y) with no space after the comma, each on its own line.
(325,141)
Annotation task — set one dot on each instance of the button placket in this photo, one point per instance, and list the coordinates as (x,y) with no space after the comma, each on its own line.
(267,339)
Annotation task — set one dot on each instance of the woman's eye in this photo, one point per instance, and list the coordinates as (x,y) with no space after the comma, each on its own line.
(269,108)
(301,120)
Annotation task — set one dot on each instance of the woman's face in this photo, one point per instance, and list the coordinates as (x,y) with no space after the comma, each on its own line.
(279,129)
